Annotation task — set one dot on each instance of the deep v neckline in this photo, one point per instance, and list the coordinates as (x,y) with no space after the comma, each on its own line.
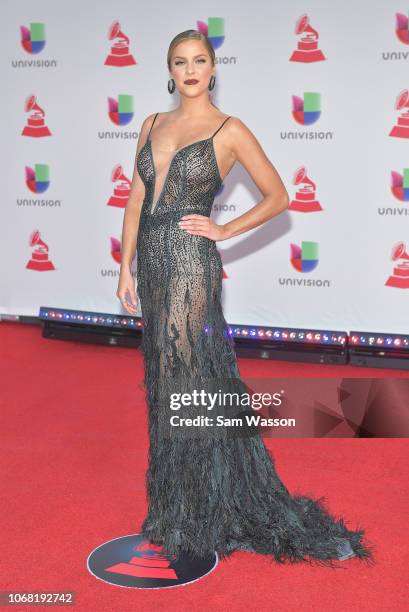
(175,154)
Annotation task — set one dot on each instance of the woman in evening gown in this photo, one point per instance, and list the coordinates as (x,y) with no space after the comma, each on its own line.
(207,493)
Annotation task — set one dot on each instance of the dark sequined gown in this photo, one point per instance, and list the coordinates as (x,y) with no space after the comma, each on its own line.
(206,493)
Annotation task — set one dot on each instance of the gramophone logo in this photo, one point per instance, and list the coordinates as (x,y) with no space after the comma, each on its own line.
(400,185)
(307,110)
(116,250)
(119,55)
(307,46)
(402,28)
(304,258)
(213,29)
(305,198)
(400,275)
(132,561)
(121,111)
(150,562)
(39,258)
(35,123)
(122,188)
(38,178)
(401,129)
(33,39)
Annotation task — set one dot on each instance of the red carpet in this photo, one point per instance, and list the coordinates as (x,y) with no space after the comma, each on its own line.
(74,447)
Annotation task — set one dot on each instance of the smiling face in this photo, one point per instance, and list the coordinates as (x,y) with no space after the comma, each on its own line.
(191,62)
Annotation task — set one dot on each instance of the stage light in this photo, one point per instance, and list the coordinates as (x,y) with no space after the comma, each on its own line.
(379,350)
(293,344)
(95,327)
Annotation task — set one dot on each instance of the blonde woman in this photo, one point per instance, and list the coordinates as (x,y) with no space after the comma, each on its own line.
(206,493)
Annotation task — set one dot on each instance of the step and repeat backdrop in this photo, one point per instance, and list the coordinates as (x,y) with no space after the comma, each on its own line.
(325,92)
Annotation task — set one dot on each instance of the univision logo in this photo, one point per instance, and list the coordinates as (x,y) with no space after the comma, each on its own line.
(37,180)
(400,185)
(116,255)
(400,190)
(402,34)
(402,28)
(33,41)
(120,112)
(306,111)
(304,259)
(33,38)
(213,29)
(116,250)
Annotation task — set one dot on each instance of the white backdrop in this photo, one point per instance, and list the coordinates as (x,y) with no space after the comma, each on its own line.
(347,153)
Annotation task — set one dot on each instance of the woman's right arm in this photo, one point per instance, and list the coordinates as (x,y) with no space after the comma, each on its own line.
(126,286)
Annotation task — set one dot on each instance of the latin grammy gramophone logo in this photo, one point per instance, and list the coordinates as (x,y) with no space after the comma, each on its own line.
(38,178)
(307,110)
(121,111)
(35,123)
(307,46)
(402,28)
(304,258)
(122,188)
(151,562)
(133,561)
(33,38)
(401,128)
(305,197)
(400,276)
(400,185)
(119,55)
(39,258)
(213,30)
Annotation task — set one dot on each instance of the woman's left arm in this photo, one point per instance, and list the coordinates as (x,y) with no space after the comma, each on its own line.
(244,147)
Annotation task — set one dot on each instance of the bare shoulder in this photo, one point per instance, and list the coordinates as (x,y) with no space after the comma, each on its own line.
(241,142)
(144,131)
(237,128)
(147,122)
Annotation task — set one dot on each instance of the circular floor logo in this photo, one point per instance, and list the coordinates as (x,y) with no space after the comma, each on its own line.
(132,561)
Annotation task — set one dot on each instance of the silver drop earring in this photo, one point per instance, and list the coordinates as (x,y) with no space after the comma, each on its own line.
(171,85)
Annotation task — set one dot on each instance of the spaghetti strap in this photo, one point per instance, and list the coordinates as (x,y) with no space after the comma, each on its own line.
(220,127)
(154,119)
